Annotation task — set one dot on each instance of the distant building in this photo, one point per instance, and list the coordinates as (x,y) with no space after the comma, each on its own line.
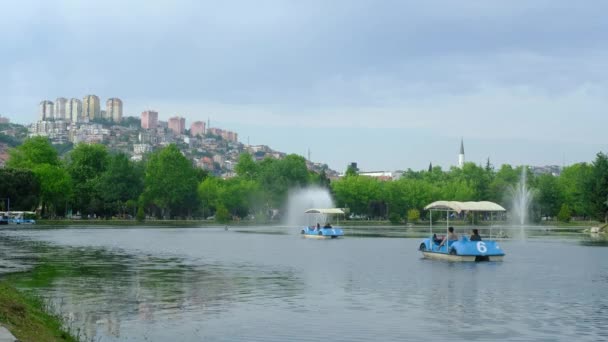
(226,135)
(554,170)
(177,124)
(73,110)
(91,107)
(60,107)
(56,131)
(47,109)
(149,119)
(461,155)
(205,163)
(381,175)
(218,158)
(141,148)
(114,109)
(197,128)
(4,120)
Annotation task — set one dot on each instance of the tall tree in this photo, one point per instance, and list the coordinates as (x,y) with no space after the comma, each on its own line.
(19,189)
(246,167)
(573,185)
(503,180)
(278,176)
(56,188)
(38,155)
(121,182)
(86,164)
(597,188)
(34,151)
(549,195)
(171,183)
(209,191)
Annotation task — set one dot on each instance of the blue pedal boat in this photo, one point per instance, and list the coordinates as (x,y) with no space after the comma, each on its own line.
(462,249)
(325,231)
(16,217)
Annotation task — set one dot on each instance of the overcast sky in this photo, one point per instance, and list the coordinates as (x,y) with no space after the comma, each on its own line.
(388,84)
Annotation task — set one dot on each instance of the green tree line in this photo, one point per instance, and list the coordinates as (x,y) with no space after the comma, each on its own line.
(581,190)
(94,182)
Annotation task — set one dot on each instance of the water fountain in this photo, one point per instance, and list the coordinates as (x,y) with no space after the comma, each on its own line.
(301,199)
(521,198)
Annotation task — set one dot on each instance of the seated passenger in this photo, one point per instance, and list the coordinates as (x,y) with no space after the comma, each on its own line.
(327,225)
(318,226)
(451,237)
(475,236)
(436,240)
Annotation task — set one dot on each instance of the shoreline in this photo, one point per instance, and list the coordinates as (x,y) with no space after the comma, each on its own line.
(27,318)
(354,223)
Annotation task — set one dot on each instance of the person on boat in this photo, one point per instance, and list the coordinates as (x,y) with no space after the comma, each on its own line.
(318,226)
(450,237)
(327,225)
(475,236)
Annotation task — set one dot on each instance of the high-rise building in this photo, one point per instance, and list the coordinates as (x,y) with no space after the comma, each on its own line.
(197,128)
(91,107)
(74,110)
(60,108)
(226,135)
(46,110)
(114,109)
(177,124)
(149,119)
(461,155)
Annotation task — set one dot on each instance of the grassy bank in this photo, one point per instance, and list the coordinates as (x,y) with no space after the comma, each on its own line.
(25,317)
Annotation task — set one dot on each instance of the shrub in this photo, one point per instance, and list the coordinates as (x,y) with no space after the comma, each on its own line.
(141,216)
(413,215)
(565,214)
(395,218)
(222,215)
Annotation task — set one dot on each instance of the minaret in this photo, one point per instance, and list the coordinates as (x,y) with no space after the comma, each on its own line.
(461,155)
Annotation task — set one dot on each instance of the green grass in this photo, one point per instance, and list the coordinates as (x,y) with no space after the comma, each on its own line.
(25,316)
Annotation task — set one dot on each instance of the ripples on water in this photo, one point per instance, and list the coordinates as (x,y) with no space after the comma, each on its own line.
(216,285)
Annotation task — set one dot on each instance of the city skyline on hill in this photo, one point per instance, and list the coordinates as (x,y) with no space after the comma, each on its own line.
(390,85)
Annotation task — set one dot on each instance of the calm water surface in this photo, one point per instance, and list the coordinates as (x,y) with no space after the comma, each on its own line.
(255,284)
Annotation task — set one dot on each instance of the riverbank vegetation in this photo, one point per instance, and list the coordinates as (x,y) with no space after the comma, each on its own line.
(25,316)
(93,182)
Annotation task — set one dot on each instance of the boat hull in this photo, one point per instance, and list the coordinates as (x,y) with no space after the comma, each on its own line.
(323,233)
(312,236)
(461,258)
(462,250)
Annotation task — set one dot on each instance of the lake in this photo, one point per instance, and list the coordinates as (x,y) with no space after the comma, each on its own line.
(269,284)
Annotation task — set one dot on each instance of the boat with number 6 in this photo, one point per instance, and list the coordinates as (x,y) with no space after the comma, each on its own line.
(325,231)
(462,249)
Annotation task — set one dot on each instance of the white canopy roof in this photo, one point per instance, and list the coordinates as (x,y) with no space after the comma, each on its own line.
(325,211)
(464,206)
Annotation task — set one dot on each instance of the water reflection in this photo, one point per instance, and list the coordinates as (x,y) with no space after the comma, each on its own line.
(599,240)
(98,291)
(192,285)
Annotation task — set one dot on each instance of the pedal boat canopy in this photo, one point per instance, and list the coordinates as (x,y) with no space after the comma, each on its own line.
(464,206)
(336,211)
